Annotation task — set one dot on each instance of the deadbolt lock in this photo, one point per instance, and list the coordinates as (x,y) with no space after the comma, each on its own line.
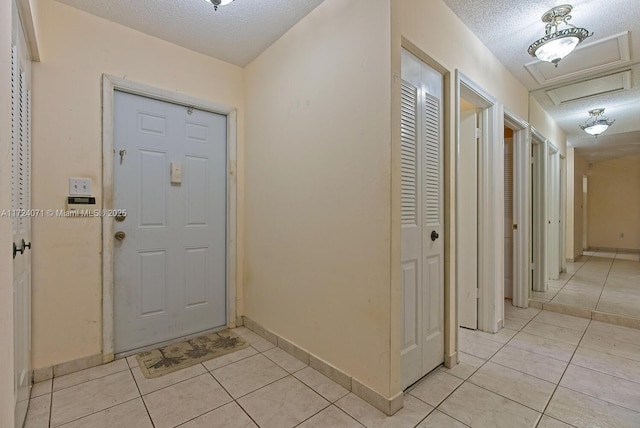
(120,235)
(120,217)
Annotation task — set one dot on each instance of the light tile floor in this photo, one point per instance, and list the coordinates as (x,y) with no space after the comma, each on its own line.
(546,370)
(599,280)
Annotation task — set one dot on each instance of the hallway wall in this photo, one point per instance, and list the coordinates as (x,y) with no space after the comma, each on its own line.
(614,203)
(318,188)
(543,123)
(76,48)
(426,25)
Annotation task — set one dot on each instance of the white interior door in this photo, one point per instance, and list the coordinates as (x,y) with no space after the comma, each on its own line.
(553,214)
(508,218)
(468,220)
(422,212)
(170,264)
(21,216)
(538,213)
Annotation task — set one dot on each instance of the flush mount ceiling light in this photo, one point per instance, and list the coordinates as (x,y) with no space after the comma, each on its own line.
(556,44)
(597,124)
(217,3)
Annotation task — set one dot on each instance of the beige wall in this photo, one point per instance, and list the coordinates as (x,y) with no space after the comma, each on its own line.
(545,125)
(6,264)
(614,203)
(318,188)
(427,24)
(76,48)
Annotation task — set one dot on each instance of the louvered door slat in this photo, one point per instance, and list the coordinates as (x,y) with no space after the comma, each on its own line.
(15,131)
(432,160)
(21,150)
(408,153)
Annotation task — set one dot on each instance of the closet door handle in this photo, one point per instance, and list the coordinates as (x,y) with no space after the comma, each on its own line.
(434,235)
(17,250)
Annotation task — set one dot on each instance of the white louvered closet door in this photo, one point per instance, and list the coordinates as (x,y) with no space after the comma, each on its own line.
(422,240)
(21,217)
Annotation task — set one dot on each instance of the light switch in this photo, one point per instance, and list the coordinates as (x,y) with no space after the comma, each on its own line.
(80,186)
(176,172)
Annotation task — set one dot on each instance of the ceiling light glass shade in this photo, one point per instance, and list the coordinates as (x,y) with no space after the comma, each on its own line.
(557,44)
(217,3)
(596,130)
(554,50)
(597,124)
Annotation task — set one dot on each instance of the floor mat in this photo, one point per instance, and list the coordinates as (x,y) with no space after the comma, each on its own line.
(177,356)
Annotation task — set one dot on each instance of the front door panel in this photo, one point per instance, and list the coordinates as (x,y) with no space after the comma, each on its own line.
(170,264)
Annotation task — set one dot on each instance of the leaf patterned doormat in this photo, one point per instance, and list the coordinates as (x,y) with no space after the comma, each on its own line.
(177,356)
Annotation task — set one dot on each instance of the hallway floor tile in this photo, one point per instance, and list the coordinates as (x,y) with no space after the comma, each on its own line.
(551,371)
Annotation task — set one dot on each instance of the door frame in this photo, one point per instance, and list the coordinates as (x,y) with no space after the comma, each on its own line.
(552,196)
(521,206)
(538,210)
(562,224)
(490,203)
(109,85)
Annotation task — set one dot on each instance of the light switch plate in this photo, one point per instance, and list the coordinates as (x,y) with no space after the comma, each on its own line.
(176,172)
(80,186)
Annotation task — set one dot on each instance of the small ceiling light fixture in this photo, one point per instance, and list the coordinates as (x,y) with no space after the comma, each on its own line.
(217,3)
(557,44)
(597,124)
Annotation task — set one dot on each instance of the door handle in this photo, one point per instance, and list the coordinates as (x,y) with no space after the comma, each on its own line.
(25,245)
(434,235)
(17,249)
(120,235)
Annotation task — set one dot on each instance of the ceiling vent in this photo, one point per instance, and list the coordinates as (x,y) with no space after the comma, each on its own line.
(590,58)
(591,88)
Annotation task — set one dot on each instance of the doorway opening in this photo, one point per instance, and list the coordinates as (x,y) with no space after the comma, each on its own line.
(479,172)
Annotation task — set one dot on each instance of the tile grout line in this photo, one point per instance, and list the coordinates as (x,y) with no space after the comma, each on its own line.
(507,398)
(101,410)
(444,399)
(144,403)
(605,280)
(316,413)
(569,279)
(88,380)
(474,372)
(564,372)
(233,399)
(50,404)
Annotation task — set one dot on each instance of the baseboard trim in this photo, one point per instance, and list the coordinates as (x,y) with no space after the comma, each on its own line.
(593,314)
(389,406)
(451,360)
(57,370)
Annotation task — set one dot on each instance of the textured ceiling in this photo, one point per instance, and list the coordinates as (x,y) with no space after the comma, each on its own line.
(508,27)
(239,32)
(236,33)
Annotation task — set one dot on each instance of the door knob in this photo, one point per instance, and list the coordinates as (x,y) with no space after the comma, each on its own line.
(434,235)
(120,235)
(25,245)
(17,250)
